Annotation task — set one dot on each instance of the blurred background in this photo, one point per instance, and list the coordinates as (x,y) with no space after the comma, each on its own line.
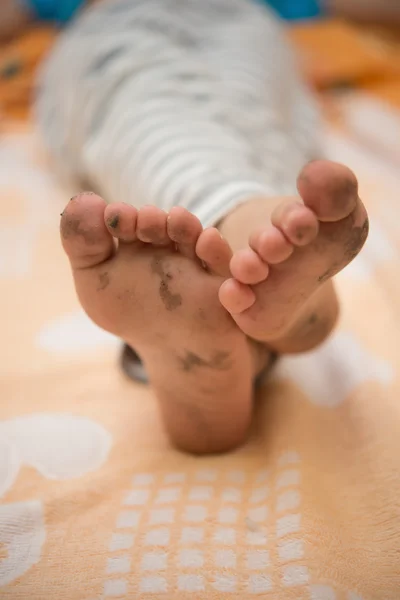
(349,51)
(54,361)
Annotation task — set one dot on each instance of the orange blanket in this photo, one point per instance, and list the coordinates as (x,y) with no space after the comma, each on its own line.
(95,505)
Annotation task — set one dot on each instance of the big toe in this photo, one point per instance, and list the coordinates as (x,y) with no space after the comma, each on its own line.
(84,234)
(329,189)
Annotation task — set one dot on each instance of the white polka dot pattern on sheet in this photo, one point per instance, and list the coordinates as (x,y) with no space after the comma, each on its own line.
(74,333)
(329,374)
(59,446)
(272,552)
(239,506)
(22,535)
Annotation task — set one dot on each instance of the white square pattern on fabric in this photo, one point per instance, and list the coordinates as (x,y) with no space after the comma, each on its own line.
(209,529)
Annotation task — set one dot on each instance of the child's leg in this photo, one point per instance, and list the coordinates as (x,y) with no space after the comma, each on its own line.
(199,108)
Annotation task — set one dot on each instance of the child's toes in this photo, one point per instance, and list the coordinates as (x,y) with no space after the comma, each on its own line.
(329,189)
(214,251)
(121,220)
(152,226)
(83,232)
(247,267)
(271,245)
(236,297)
(297,222)
(184,230)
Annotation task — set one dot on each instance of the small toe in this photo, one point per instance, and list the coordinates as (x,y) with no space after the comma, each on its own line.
(271,245)
(297,222)
(236,297)
(247,267)
(152,226)
(84,235)
(121,221)
(214,251)
(184,229)
(329,189)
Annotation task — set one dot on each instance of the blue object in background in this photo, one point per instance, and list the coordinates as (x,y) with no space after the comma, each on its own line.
(60,11)
(295,9)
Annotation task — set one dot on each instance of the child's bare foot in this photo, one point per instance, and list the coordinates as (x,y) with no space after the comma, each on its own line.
(154,292)
(289,260)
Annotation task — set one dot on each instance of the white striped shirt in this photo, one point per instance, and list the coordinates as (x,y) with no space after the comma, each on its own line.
(177,102)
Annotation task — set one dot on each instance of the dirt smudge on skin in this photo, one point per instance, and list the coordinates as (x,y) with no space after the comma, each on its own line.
(312,319)
(329,273)
(351,248)
(313,326)
(170,300)
(71,226)
(113,222)
(356,240)
(219,362)
(104,281)
(79,194)
(202,314)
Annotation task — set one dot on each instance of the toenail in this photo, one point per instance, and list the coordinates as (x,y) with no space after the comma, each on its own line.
(113,222)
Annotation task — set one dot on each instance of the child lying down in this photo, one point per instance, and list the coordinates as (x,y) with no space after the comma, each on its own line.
(190,122)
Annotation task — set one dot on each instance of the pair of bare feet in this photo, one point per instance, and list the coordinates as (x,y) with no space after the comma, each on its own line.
(202,318)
